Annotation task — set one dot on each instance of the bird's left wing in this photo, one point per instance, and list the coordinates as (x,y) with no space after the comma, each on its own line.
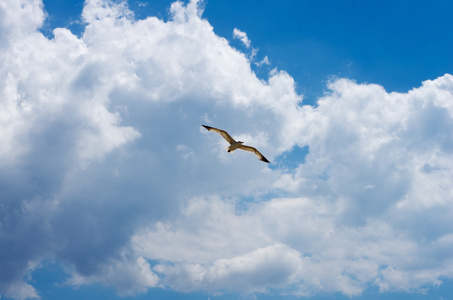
(223,133)
(254,151)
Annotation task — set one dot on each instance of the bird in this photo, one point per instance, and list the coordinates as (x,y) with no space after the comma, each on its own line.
(236,144)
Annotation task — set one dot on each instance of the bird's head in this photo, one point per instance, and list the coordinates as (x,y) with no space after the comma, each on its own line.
(240,142)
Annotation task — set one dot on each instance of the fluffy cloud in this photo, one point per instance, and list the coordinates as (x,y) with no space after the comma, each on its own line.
(377,198)
(104,165)
(272,266)
(128,276)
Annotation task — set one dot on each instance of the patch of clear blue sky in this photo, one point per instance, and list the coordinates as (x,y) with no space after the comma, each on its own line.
(397,44)
(290,160)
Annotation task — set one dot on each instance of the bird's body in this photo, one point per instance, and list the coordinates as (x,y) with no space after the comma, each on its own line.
(236,144)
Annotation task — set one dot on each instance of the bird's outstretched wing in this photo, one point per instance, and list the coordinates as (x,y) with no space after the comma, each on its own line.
(223,133)
(254,151)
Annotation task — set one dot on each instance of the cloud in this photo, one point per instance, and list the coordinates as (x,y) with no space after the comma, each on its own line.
(242,36)
(375,207)
(30,12)
(272,266)
(265,61)
(128,276)
(105,166)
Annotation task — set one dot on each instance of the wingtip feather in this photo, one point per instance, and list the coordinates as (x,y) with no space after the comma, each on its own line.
(265,160)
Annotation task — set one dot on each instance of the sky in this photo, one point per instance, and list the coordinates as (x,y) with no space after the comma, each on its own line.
(111,189)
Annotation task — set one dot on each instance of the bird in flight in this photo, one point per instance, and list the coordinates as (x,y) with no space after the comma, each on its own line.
(236,145)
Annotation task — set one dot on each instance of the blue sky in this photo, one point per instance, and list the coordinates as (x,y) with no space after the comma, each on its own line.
(111,189)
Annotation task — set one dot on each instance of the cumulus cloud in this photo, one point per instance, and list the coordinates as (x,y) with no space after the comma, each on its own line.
(128,276)
(272,266)
(104,165)
(376,207)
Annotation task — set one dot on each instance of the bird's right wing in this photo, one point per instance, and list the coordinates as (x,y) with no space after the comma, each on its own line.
(223,133)
(254,151)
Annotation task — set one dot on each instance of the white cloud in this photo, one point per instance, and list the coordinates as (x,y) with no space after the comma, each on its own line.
(104,165)
(268,267)
(237,34)
(129,276)
(378,209)
(242,36)
(264,61)
(20,290)
(28,11)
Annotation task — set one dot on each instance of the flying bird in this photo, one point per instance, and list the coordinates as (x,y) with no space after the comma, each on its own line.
(236,145)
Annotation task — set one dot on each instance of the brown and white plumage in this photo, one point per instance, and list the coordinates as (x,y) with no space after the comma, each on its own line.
(236,145)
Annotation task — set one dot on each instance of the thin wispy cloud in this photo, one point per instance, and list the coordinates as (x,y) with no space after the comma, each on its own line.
(105,167)
(242,36)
